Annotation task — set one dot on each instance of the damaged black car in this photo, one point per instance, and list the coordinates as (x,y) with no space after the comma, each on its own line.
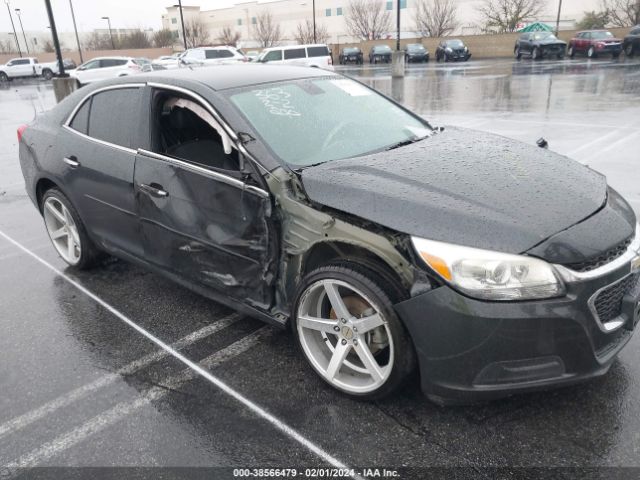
(310,201)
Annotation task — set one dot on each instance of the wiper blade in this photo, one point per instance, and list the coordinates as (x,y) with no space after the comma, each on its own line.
(405,143)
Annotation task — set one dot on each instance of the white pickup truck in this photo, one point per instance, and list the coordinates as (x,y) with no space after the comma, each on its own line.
(27,67)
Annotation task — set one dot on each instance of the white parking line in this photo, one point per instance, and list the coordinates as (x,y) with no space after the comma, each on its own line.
(28,418)
(121,410)
(255,408)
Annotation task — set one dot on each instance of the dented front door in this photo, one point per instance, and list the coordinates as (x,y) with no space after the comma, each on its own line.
(204,226)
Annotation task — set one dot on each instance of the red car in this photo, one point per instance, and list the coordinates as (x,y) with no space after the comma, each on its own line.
(594,43)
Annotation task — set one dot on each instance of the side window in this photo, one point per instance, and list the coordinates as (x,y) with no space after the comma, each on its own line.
(318,51)
(80,121)
(294,53)
(184,129)
(209,54)
(91,65)
(225,53)
(106,121)
(273,55)
(112,62)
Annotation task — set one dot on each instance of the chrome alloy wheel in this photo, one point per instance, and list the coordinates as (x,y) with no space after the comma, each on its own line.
(345,336)
(62,230)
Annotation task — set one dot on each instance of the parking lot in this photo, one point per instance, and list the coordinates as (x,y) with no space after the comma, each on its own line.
(120,367)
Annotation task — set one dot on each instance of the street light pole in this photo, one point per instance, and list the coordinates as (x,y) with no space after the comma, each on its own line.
(184,35)
(113,46)
(15,35)
(398,33)
(75,28)
(558,19)
(56,42)
(314,22)
(22,28)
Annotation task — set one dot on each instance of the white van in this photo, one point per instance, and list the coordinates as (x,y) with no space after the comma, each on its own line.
(317,55)
(211,56)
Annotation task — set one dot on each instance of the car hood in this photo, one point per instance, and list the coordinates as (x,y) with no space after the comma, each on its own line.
(549,42)
(464,187)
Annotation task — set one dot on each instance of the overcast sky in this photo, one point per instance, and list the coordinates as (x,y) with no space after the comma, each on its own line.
(123,13)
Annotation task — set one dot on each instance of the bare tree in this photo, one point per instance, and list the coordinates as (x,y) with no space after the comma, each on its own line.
(229,37)
(163,38)
(137,39)
(47,46)
(6,46)
(266,31)
(367,19)
(505,15)
(622,13)
(304,33)
(97,41)
(436,18)
(196,33)
(593,20)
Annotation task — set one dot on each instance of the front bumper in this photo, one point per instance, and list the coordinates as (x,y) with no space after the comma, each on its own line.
(471,350)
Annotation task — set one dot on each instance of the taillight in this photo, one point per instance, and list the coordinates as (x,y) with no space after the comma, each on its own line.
(21,130)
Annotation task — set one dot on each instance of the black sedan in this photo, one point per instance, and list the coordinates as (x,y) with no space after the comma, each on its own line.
(631,43)
(415,52)
(539,45)
(351,55)
(453,50)
(383,243)
(380,54)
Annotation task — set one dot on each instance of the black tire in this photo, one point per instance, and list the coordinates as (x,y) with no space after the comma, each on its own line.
(591,53)
(571,52)
(382,293)
(535,54)
(616,56)
(4,77)
(517,53)
(629,51)
(47,74)
(90,255)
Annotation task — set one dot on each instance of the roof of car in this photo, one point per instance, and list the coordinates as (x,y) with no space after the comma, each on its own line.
(222,77)
(289,47)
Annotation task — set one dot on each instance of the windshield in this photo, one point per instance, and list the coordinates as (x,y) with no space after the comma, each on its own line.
(601,35)
(382,48)
(313,121)
(455,43)
(417,48)
(351,50)
(544,36)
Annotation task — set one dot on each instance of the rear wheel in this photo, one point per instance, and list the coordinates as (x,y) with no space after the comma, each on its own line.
(47,74)
(67,232)
(349,333)
(628,50)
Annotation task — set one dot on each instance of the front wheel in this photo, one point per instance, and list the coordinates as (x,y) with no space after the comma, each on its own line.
(571,52)
(67,232)
(517,53)
(3,77)
(350,334)
(535,55)
(591,53)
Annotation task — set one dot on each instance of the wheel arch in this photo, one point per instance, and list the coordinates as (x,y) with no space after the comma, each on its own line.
(42,186)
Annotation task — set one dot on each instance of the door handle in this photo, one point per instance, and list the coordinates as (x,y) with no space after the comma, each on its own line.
(154,189)
(71,161)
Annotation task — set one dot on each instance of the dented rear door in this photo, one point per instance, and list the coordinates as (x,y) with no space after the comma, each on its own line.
(207,227)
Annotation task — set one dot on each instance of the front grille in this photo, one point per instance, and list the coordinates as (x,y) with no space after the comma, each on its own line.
(600,260)
(608,303)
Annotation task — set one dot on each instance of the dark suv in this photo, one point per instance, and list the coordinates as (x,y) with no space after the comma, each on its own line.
(380,54)
(416,52)
(452,50)
(351,55)
(539,45)
(631,44)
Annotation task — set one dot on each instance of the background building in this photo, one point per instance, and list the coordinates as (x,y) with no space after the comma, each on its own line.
(241,17)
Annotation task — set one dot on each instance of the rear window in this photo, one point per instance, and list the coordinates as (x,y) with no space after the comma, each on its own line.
(294,53)
(80,121)
(107,122)
(318,51)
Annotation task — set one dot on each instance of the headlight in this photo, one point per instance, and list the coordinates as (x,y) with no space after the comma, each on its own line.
(490,275)
(449,49)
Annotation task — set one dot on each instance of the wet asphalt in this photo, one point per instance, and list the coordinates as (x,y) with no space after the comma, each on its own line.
(78,387)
